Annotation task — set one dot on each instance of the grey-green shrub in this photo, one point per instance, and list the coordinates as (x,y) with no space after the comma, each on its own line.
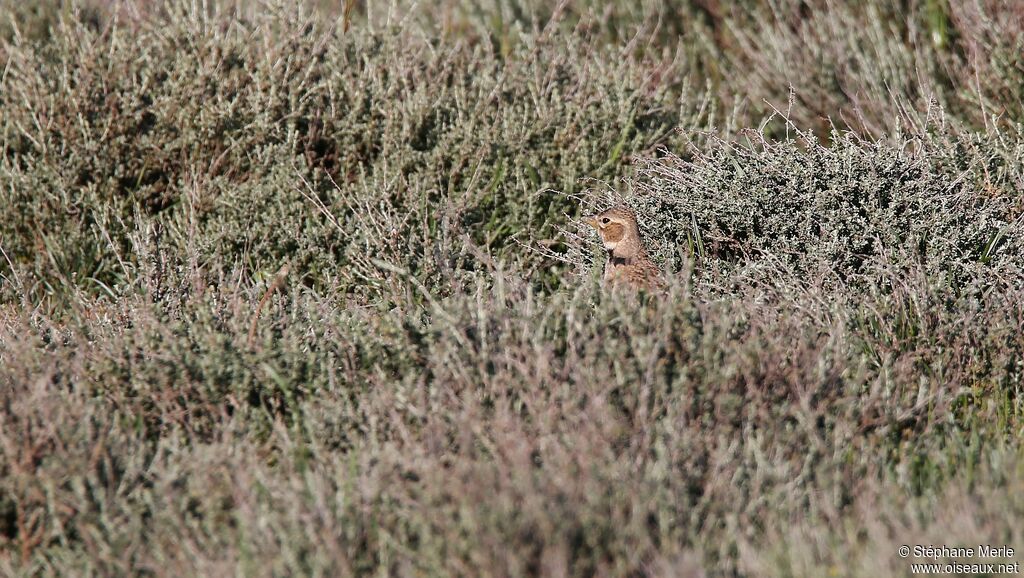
(839,214)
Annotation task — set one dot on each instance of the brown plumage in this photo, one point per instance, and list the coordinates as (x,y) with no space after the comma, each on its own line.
(628,264)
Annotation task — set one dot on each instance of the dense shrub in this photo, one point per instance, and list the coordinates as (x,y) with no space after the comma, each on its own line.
(237,145)
(840,214)
(299,290)
(502,430)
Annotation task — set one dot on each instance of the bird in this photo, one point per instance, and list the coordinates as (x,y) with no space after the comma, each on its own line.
(628,264)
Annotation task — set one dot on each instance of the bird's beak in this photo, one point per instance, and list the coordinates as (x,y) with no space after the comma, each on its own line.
(592,221)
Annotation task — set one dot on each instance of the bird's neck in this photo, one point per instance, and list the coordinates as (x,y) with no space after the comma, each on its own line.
(618,260)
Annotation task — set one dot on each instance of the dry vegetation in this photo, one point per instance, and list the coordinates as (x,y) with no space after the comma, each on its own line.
(300,290)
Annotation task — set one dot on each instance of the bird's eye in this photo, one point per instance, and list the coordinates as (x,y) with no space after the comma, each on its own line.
(606,220)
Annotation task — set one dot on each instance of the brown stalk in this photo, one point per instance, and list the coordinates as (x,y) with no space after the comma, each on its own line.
(276,284)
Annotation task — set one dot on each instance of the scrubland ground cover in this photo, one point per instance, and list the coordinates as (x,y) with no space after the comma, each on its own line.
(298,289)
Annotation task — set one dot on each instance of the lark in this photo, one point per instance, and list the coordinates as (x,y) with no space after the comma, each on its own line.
(628,264)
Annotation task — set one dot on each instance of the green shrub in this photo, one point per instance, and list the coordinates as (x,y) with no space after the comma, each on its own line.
(235,133)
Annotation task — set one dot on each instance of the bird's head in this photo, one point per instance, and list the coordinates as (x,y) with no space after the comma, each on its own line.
(618,230)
